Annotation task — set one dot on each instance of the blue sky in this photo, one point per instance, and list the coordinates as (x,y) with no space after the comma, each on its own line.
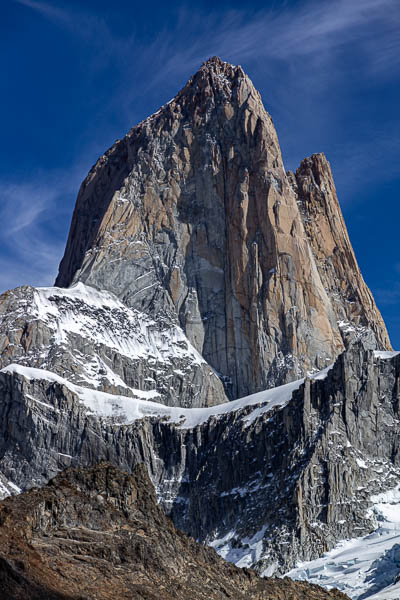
(76,75)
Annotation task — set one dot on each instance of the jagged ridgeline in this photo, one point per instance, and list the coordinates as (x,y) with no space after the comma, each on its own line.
(199,276)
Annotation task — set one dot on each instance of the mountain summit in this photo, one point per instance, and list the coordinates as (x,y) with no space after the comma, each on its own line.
(192,216)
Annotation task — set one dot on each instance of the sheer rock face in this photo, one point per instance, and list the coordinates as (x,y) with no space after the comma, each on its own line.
(94,533)
(193,217)
(323,221)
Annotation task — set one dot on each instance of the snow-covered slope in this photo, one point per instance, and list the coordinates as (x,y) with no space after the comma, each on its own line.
(90,338)
(126,410)
(364,567)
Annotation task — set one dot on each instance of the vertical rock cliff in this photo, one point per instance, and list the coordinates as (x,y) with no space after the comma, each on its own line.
(192,216)
(326,231)
(268,481)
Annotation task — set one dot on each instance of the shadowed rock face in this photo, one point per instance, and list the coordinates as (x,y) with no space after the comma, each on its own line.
(192,216)
(267,486)
(99,533)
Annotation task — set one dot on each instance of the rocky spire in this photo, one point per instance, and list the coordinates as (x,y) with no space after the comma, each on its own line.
(323,221)
(192,217)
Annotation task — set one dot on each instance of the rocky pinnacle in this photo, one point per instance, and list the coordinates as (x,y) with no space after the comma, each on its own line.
(192,216)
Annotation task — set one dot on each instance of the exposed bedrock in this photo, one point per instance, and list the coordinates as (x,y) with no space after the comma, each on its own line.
(93,531)
(192,216)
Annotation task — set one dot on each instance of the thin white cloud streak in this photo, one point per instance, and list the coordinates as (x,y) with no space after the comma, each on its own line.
(316,30)
(34,261)
(313,29)
(21,205)
(389,296)
(47,10)
(356,158)
(30,211)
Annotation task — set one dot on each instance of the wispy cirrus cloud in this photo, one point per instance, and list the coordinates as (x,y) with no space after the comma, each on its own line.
(31,238)
(22,205)
(388,296)
(316,30)
(311,29)
(47,10)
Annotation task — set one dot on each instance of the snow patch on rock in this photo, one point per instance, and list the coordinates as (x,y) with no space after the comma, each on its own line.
(126,409)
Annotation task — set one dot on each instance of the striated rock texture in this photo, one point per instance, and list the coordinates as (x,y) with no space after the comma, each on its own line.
(91,534)
(192,216)
(267,483)
(326,231)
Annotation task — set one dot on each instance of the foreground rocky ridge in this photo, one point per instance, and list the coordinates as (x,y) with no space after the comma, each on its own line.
(192,216)
(96,533)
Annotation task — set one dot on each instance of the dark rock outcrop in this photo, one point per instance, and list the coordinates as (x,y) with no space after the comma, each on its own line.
(99,534)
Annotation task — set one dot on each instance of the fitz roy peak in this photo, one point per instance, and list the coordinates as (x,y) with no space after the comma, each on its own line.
(192,216)
(210,321)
